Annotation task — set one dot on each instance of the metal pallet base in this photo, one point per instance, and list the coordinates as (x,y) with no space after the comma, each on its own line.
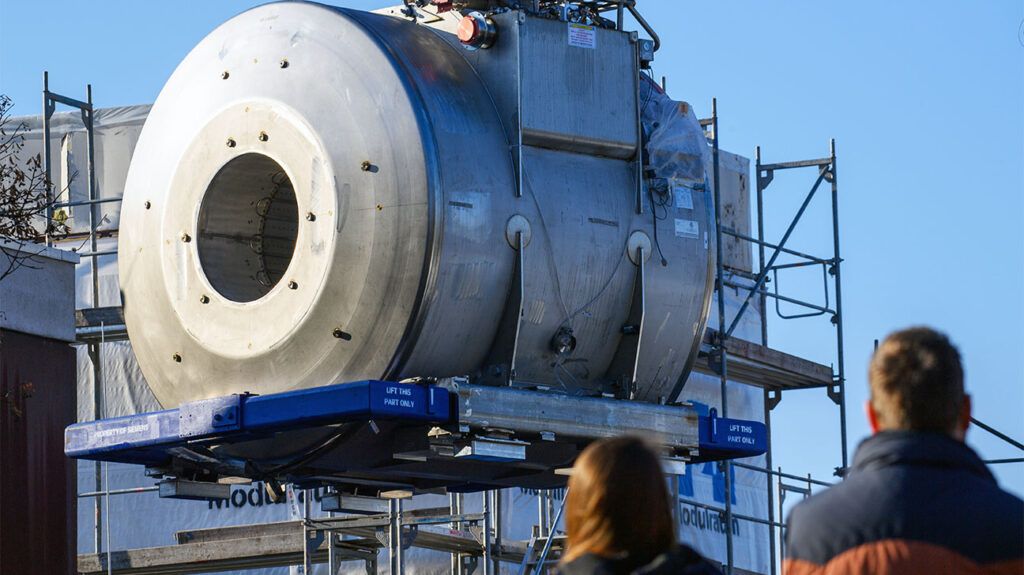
(373,437)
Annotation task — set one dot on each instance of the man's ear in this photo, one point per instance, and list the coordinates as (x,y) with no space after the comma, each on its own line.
(872,416)
(964,421)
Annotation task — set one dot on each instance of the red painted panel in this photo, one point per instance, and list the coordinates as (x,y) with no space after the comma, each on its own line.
(37,483)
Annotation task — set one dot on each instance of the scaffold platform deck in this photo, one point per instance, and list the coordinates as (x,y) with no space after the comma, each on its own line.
(764,367)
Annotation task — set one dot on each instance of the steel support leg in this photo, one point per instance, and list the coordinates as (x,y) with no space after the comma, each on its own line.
(838,318)
(723,333)
(542,523)
(395,552)
(768,478)
(485,561)
(307,558)
(455,501)
(496,512)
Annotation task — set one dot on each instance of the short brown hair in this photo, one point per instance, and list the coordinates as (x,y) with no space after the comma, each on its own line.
(618,502)
(917,382)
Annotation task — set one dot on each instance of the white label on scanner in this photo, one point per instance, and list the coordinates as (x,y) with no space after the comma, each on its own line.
(687,229)
(582,36)
(683,197)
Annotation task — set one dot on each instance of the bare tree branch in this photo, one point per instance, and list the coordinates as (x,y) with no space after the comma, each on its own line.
(27,197)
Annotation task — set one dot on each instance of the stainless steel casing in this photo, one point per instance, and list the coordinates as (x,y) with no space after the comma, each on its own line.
(407,158)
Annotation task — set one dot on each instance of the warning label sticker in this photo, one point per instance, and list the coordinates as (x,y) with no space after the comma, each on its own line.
(687,229)
(683,197)
(582,36)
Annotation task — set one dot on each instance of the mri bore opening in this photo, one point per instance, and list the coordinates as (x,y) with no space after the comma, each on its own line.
(248,224)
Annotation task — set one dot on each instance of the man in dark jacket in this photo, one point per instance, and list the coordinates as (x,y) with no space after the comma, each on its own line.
(917,499)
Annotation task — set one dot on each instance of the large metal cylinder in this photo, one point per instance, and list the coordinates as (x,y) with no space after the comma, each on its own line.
(323,195)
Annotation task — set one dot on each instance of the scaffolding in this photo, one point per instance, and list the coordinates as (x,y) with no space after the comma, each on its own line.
(723,344)
(370,525)
(474,540)
(93,344)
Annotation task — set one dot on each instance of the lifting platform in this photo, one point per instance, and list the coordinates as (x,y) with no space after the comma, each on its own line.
(448,435)
(474,438)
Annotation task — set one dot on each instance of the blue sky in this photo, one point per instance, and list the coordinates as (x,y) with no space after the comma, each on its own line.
(925,99)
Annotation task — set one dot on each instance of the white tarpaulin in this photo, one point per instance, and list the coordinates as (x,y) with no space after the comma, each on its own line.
(143,519)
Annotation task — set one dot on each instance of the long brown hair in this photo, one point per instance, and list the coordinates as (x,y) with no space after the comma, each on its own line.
(618,502)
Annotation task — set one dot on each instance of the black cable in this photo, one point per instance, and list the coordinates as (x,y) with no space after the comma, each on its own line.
(654,223)
(650,93)
(601,291)
(552,266)
(651,87)
(347,431)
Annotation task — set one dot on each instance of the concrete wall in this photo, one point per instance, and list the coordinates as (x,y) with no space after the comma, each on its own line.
(38,296)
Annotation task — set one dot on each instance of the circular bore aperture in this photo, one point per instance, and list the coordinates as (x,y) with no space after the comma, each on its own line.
(248,223)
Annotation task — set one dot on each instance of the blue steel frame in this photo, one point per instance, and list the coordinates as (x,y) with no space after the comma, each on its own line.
(144,438)
(147,438)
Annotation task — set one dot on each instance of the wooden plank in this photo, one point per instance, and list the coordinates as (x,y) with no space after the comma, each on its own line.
(271,551)
(363,526)
(95,317)
(100,324)
(237,532)
(261,545)
(765,367)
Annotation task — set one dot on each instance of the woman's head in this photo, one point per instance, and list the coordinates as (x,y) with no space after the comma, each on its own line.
(618,502)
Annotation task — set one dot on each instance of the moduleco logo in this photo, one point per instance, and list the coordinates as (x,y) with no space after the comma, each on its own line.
(256,496)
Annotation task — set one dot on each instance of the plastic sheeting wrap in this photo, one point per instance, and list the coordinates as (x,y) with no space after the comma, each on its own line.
(676,145)
(124,391)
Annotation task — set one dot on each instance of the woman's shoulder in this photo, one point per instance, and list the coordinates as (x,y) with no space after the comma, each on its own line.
(591,564)
(681,560)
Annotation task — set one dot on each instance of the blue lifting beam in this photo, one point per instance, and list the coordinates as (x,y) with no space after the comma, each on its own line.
(153,439)
(145,438)
(726,438)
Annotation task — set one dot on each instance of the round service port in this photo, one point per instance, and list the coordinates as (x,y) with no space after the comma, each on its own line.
(476,31)
(248,224)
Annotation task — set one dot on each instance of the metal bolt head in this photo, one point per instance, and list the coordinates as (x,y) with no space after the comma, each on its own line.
(366,165)
(231,142)
(204,299)
(147,204)
(310,217)
(263,137)
(224,75)
(185,237)
(293,285)
(176,357)
(284,63)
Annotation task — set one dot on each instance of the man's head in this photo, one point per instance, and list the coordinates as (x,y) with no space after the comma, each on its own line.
(917,384)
